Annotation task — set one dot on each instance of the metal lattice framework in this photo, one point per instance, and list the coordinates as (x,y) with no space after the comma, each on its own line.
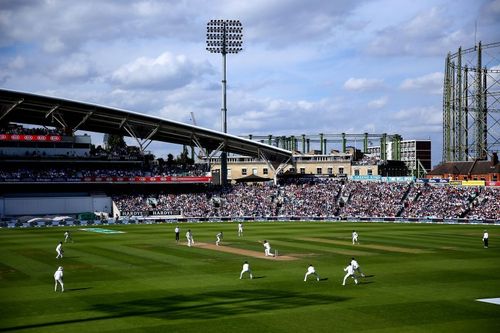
(471,103)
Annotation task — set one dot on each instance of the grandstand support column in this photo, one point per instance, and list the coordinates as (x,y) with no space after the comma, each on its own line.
(303,143)
(143,143)
(344,143)
(365,143)
(87,116)
(198,145)
(277,168)
(321,143)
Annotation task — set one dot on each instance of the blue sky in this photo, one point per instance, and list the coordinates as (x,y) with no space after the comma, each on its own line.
(307,67)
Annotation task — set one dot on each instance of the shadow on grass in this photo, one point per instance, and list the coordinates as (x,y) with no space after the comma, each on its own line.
(78,289)
(323,279)
(259,277)
(369,276)
(201,306)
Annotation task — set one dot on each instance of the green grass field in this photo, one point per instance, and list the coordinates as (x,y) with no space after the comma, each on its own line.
(421,278)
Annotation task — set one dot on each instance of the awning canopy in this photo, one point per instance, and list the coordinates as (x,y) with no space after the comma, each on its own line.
(41,110)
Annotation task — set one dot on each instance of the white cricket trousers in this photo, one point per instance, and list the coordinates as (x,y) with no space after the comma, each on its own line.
(60,281)
(351,275)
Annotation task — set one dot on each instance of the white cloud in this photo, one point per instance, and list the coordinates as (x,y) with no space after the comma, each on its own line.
(362,84)
(77,67)
(417,116)
(378,103)
(432,82)
(165,72)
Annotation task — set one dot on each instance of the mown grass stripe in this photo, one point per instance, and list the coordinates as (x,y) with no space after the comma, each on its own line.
(309,244)
(387,248)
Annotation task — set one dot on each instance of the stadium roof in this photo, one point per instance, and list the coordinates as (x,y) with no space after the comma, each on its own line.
(41,110)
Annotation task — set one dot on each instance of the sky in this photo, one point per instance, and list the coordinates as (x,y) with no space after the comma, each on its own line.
(307,67)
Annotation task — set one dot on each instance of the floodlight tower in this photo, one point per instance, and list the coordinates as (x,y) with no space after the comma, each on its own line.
(224,36)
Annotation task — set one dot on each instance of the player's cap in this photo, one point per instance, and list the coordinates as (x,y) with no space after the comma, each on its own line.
(60,268)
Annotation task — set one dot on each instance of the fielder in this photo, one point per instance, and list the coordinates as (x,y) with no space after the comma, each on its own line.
(485,239)
(240,229)
(219,238)
(189,237)
(311,271)
(246,268)
(67,237)
(267,249)
(350,272)
(355,237)
(59,250)
(58,278)
(356,268)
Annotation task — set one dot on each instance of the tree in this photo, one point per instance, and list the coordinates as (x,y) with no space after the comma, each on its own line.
(183,159)
(115,143)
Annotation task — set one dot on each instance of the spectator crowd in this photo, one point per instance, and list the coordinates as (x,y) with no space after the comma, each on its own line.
(325,198)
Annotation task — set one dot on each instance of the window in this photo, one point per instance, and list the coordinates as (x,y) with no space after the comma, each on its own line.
(356,172)
(229,173)
(341,171)
(303,170)
(369,171)
(319,171)
(254,171)
(244,172)
(265,171)
(330,171)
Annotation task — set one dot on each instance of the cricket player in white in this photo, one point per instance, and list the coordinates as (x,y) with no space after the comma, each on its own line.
(267,249)
(59,250)
(219,238)
(67,237)
(246,268)
(485,239)
(240,229)
(355,237)
(356,268)
(189,237)
(58,278)
(350,272)
(311,270)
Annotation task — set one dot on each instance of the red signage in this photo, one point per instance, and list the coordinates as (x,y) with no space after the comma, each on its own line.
(29,137)
(492,183)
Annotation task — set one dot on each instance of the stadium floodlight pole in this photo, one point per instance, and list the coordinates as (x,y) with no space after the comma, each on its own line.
(224,36)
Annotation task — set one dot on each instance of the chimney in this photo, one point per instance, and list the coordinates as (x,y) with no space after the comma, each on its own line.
(494,159)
